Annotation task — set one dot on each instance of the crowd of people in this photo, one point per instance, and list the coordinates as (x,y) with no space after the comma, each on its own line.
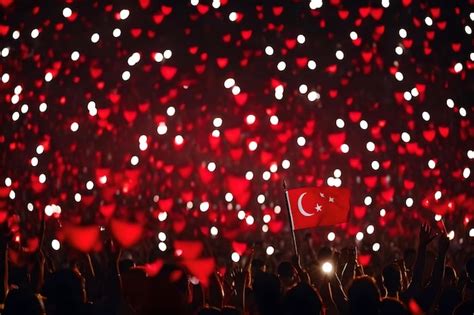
(317,281)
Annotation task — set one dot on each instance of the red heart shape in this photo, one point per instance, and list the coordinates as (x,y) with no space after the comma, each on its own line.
(188,249)
(126,233)
(168,72)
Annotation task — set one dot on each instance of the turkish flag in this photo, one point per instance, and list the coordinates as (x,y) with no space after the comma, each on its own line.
(312,207)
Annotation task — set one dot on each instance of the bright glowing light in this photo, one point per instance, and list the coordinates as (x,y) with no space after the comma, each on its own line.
(30,207)
(300,39)
(313,95)
(241,215)
(431,164)
(34,33)
(77,197)
(409,202)
(167,54)
(363,124)
(269,50)
(471,232)
(451,235)
(48,76)
(281,66)
(249,220)
(344,148)
(285,164)
(24,108)
(375,165)
(327,267)
(253,145)
(15,116)
(340,123)
(312,64)
(450,103)
(126,75)
(211,167)
(170,111)
(249,175)
(133,59)
(470,154)
(162,246)
(42,179)
(462,112)
(274,120)
(385,3)
(370,146)
(12,194)
(426,116)
(39,149)
(331,236)
(399,76)
(67,12)
(134,160)
(414,92)
(353,35)
(43,107)
(90,185)
(116,32)
(124,14)
(55,244)
(438,217)
(303,88)
(458,67)
(228,197)
(403,33)
(266,218)
(260,199)
(179,140)
(75,56)
(161,129)
(233,16)
(382,212)
(5,77)
(315,4)
(359,236)
(370,229)
(204,206)
(214,231)
(368,200)
(399,50)
(428,21)
(235,257)
(162,216)
(270,250)
(376,247)
(235,90)
(228,83)
(95,38)
(8,181)
(339,55)
(406,137)
(438,195)
(74,127)
(466,172)
(250,119)
(158,57)
(301,141)
(16,35)
(266,175)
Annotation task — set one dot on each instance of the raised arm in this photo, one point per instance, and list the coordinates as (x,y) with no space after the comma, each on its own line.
(426,236)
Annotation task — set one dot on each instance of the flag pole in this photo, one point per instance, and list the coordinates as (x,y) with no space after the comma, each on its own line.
(290,217)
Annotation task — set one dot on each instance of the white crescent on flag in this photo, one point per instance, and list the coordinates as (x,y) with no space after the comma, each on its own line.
(300,206)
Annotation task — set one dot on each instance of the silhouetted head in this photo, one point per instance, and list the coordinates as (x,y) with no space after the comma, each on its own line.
(230,310)
(324,254)
(267,293)
(258,265)
(23,302)
(391,306)
(448,300)
(303,299)
(66,286)
(209,311)
(392,278)
(364,296)
(287,274)
(125,265)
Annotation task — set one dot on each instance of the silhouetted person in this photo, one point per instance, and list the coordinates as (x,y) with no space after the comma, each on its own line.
(303,299)
(287,275)
(267,293)
(392,280)
(23,302)
(364,296)
(391,306)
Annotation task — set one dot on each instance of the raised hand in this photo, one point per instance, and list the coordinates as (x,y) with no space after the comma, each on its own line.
(443,243)
(426,235)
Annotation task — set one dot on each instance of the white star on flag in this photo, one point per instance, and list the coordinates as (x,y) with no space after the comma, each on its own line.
(331,199)
(322,195)
(318,207)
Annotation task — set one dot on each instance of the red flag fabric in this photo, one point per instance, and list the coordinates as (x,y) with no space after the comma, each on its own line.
(312,207)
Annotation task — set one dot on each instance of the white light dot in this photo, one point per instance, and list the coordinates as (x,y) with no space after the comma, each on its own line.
(399,76)
(399,50)
(438,217)
(162,246)
(273,167)
(466,172)
(370,146)
(458,67)
(468,30)
(77,197)
(90,185)
(116,32)
(74,127)
(67,12)
(385,3)
(363,124)
(337,173)
(216,133)
(34,33)
(266,218)
(313,95)
(285,164)
(235,90)
(301,141)
(75,56)
(162,216)
(414,92)
(211,167)
(235,257)
(340,123)
(339,55)
(179,140)
(426,116)
(375,165)
(8,181)
(253,145)
(402,32)
(39,149)
(303,88)
(330,181)
(42,179)
(43,107)
(300,39)
(382,212)
(470,154)
(48,76)
(311,64)
(134,160)
(353,35)
(161,129)
(228,197)
(214,231)
(217,122)
(228,83)
(15,98)
(30,206)
(12,194)
(428,21)
(55,244)
(241,215)
(249,175)
(368,201)
(167,54)
(16,35)
(315,4)
(376,247)
(15,116)
(133,59)
(438,195)
(269,50)
(451,235)
(18,89)
(260,199)
(327,267)
(409,202)
(266,175)
(359,236)
(232,16)
(24,108)
(204,206)
(34,161)
(370,229)
(95,38)
(462,112)
(170,111)
(471,232)
(281,66)
(270,250)
(406,137)
(331,236)
(162,236)
(344,148)
(5,77)
(124,14)
(249,220)
(277,209)
(126,75)
(274,120)
(450,103)
(431,164)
